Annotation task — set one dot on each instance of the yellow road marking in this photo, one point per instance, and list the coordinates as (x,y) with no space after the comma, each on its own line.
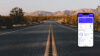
(54,51)
(47,45)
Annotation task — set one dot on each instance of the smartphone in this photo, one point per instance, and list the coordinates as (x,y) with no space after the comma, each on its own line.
(85,29)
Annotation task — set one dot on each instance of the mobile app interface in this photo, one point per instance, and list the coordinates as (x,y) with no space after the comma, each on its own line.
(85,30)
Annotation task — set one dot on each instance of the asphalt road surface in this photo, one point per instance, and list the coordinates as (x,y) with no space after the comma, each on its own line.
(66,42)
(31,41)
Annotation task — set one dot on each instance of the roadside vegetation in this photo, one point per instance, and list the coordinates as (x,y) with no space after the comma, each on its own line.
(72,21)
(16,18)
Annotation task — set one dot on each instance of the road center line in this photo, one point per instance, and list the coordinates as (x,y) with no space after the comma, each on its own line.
(53,45)
(50,45)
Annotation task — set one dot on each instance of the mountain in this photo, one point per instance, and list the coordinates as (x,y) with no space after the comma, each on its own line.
(60,13)
(85,11)
(46,13)
(39,13)
(64,13)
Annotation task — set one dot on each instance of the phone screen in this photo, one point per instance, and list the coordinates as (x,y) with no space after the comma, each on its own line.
(85,29)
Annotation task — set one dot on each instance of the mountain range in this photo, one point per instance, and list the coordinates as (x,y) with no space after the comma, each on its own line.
(60,13)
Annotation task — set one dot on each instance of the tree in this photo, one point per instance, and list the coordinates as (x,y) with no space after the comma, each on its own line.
(17,15)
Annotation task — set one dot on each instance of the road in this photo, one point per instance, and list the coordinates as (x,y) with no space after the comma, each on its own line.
(66,42)
(31,41)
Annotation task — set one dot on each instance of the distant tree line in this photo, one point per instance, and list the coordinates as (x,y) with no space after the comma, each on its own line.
(73,20)
(17,17)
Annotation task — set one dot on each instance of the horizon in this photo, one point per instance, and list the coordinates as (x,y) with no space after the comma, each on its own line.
(46,5)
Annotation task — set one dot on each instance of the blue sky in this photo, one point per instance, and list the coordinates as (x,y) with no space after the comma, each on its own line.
(46,5)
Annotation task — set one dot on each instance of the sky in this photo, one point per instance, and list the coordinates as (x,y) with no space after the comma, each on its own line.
(46,5)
